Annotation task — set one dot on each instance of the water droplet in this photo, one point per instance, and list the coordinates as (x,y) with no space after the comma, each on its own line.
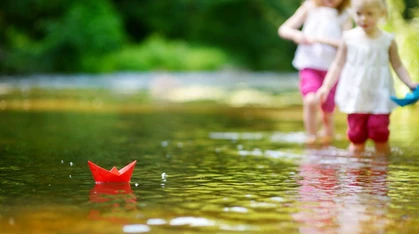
(3,104)
(278,199)
(135,228)
(69,176)
(156,221)
(62,161)
(26,104)
(163,176)
(164,143)
(136,184)
(97,103)
(191,221)
(71,164)
(235,209)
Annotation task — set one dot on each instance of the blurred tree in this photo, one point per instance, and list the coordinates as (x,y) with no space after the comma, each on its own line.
(247,29)
(410,8)
(88,28)
(70,35)
(40,36)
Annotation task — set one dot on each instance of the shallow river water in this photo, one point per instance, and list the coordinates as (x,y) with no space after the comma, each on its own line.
(209,160)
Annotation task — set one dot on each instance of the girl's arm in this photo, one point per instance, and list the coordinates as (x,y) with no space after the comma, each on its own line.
(328,41)
(333,73)
(335,42)
(290,28)
(348,24)
(398,66)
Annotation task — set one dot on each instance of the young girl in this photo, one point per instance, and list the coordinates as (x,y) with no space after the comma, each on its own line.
(323,22)
(366,84)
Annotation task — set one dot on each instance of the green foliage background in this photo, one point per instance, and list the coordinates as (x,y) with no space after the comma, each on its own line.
(406,27)
(67,36)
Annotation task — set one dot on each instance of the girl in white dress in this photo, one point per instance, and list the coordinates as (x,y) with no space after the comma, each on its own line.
(366,83)
(323,22)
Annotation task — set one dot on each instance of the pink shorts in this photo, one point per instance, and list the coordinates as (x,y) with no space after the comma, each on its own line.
(372,126)
(310,81)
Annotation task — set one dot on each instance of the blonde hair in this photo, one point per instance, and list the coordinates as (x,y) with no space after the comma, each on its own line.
(384,5)
(341,7)
(381,3)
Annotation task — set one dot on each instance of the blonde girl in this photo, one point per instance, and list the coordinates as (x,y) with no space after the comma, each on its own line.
(366,83)
(322,23)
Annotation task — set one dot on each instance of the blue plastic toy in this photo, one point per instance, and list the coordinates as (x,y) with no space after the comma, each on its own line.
(410,98)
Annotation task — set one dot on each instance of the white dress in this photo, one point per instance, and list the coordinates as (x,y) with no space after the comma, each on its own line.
(366,83)
(320,22)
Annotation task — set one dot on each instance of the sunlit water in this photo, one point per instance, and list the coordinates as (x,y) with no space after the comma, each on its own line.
(203,165)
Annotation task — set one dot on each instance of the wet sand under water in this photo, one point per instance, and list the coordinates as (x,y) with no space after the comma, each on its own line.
(202,168)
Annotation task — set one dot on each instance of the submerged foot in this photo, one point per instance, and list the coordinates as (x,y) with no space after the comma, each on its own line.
(326,137)
(311,140)
(356,148)
(326,140)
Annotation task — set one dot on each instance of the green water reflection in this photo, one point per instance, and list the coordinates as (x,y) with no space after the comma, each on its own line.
(200,169)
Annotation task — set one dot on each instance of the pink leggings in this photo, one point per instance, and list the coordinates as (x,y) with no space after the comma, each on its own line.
(364,126)
(310,81)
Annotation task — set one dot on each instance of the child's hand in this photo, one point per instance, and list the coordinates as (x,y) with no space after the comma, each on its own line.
(413,86)
(302,39)
(322,93)
(313,40)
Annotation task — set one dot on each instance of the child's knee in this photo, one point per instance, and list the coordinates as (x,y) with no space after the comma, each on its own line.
(328,106)
(357,136)
(380,134)
(311,100)
(378,129)
(357,129)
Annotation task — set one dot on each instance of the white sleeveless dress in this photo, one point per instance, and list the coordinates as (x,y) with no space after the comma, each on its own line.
(320,22)
(366,83)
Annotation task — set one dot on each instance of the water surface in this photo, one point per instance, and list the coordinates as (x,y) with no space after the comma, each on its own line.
(203,166)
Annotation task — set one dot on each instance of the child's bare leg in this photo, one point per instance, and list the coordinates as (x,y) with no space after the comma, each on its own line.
(310,116)
(356,148)
(382,147)
(328,130)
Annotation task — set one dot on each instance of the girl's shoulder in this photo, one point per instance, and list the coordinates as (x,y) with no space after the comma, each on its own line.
(386,38)
(345,15)
(308,5)
(354,36)
(387,35)
(351,33)
(357,32)
(357,35)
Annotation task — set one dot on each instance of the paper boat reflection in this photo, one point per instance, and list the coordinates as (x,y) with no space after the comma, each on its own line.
(112,192)
(114,175)
(113,202)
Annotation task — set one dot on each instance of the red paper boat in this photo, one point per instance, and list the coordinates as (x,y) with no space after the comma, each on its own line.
(102,175)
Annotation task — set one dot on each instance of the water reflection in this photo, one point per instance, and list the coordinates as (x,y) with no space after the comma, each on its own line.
(219,169)
(346,194)
(112,202)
